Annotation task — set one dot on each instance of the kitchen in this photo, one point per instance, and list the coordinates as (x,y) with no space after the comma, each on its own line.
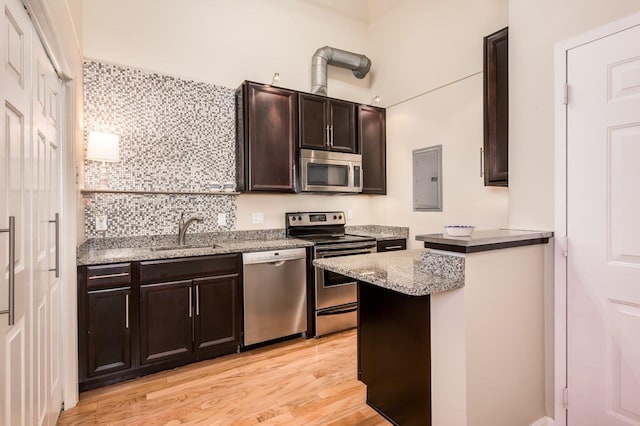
(432,92)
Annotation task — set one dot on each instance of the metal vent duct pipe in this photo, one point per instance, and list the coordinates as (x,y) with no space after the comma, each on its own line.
(358,64)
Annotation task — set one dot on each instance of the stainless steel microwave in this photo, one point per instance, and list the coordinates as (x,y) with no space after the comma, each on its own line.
(326,171)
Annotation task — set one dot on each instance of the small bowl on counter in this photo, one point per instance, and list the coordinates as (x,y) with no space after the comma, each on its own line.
(459,230)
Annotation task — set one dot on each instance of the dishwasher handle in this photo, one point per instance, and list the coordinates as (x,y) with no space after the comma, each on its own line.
(273,256)
(277,263)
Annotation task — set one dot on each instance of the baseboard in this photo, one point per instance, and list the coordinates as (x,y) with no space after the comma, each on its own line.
(543,421)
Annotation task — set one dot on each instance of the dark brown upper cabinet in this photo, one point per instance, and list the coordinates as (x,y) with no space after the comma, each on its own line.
(372,141)
(496,108)
(327,124)
(266,132)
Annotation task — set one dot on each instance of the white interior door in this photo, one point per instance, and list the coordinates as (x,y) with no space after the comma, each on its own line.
(47,395)
(603,227)
(15,152)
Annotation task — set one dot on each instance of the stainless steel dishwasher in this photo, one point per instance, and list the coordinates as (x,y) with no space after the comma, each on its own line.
(275,294)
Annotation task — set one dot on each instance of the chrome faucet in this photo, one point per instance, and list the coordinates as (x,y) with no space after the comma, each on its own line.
(183,226)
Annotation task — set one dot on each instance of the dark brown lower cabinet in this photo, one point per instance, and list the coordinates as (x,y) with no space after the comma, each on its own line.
(165,321)
(160,314)
(108,331)
(392,245)
(217,307)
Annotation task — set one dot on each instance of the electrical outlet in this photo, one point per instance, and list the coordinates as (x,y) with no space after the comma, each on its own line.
(349,214)
(258,217)
(222,219)
(101,223)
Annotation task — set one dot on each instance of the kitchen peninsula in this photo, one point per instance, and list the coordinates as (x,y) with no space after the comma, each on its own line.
(448,337)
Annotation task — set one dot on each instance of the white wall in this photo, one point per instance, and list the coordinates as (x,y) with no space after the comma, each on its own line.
(534,28)
(417,47)
(225,42)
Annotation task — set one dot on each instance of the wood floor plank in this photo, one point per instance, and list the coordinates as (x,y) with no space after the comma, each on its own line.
(300,382)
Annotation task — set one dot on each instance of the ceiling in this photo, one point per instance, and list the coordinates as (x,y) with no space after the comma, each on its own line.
(361,10)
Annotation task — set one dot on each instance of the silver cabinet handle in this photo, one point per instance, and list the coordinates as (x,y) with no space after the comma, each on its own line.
(481,162)
(99,277)
(326,138)
(190,303)
(198,300)
(331,143)
(56,268)
(12,268)
(393,248)
(126,310)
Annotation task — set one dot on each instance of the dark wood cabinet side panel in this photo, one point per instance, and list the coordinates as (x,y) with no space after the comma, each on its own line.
(165,321)
(272,136)
(372,135)
(313,121)
(394,358)
(217,311)
(108,331)
(241,146)
(342,117)
(496,108)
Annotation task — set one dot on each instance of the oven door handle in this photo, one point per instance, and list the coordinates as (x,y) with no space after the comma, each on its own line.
(328,248)
(338,311)
(323,255)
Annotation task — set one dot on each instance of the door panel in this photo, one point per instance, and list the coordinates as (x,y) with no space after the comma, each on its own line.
(166,313)
(217,319)
(108,332)
(603,273)
(343,126)
(313,122)
(15,189)
(372,134)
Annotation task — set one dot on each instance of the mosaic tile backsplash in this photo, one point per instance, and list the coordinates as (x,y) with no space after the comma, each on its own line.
(175,136)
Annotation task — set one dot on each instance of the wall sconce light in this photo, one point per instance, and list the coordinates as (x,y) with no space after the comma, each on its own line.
(375,100)
(103,147)
(276,78)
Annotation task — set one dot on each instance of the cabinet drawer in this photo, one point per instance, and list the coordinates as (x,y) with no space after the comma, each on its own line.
(108,276)
(187,268)
(392,245)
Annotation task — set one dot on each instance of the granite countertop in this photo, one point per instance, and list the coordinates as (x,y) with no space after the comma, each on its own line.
(379,232)
(412,272)
(130,249)
(485,240)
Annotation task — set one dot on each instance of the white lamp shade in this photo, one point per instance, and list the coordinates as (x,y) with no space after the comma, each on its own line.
(103,146)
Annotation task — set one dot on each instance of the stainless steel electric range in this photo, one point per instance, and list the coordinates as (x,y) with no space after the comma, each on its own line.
(335,295)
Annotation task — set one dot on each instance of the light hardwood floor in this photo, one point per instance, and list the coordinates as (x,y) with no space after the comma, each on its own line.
(301,382)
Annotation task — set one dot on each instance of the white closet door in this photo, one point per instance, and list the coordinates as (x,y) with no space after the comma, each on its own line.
(47,395)
(603,208)
(15,201)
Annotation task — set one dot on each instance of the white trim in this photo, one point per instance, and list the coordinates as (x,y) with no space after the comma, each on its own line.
(560,213)
(543,421)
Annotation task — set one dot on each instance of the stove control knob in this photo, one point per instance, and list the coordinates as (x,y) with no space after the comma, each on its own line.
(299,217)
(293,218)
(335,217)
(340,217)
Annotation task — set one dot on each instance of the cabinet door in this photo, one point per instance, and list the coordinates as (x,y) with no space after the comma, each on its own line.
(272,127)
(166,312)
(372,136)
(496,109)
(314,132)
(342,118)
(217,312)
(108,334)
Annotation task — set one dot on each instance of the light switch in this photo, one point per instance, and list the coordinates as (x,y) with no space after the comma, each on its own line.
(349,214)
(222,219)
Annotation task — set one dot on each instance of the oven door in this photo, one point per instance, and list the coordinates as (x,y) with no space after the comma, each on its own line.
(334,289)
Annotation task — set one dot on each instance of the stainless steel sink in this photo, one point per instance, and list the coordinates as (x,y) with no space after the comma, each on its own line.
(185,247)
